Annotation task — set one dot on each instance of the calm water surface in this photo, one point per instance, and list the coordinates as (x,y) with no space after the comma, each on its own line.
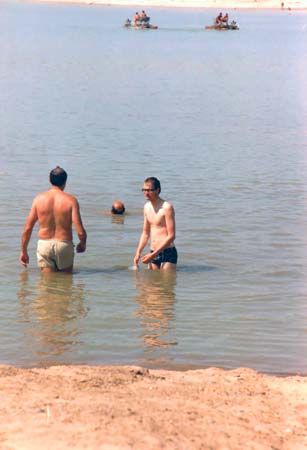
(221,119)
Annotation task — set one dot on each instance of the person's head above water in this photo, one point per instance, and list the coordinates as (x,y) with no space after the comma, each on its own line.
(58,177)
(154,182)
(118,207)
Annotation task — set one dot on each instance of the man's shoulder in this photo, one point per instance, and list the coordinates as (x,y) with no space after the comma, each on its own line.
(70,199)
(147,205)
(40,196)
(167,205)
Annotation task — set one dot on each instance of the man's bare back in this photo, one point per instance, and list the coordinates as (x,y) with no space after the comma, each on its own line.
(56,212)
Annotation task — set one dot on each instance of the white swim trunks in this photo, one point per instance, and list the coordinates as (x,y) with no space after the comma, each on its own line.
(58,255)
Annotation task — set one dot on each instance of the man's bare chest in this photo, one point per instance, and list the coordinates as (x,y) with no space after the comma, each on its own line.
(156,218)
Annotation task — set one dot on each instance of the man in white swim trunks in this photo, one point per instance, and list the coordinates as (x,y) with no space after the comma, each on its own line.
(159,225)
(56,212)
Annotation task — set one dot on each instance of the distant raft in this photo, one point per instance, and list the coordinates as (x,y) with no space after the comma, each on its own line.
(223,26)
(140,25)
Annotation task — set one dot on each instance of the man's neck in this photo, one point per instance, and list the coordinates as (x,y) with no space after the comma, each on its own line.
(58,188)
(157,201)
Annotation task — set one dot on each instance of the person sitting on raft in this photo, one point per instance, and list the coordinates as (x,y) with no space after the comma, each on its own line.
(225,19)
(136,19)
(144,17)
(219,19)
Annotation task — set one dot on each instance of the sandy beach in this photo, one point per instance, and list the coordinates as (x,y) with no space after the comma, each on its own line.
(112,408)
(215,4)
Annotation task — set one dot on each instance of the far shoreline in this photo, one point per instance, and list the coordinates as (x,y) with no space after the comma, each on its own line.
(248,5)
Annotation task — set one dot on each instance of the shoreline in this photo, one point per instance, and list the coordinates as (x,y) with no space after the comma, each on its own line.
(285,5)
(129,407)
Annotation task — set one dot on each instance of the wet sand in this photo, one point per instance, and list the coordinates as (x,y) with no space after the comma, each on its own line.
(118,408)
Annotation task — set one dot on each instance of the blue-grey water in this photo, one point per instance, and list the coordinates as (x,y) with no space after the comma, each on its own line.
(221,119)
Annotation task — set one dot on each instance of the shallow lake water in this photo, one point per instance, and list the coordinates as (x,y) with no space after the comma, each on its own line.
(220,118)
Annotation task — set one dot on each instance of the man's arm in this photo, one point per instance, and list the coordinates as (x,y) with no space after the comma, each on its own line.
(171,234)
(26,235)
(77,221)
(143,240)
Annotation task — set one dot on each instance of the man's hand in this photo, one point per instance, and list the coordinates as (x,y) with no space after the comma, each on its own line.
(24,258)
(81,248)
(136,259)
(146,259)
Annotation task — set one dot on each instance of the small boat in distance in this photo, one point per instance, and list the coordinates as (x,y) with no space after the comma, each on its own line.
(140,22)
(233,25)
(141,26)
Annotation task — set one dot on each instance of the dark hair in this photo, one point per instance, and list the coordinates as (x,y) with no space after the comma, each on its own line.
(118,210)
(155,183)
(58,176)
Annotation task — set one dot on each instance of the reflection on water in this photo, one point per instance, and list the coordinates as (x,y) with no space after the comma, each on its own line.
(50,313)
(156,299)
(118,219)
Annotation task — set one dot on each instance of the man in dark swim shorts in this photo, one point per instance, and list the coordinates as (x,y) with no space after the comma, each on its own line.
(159,226)
(168,255)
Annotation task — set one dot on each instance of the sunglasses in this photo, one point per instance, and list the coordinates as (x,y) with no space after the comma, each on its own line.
(148,190)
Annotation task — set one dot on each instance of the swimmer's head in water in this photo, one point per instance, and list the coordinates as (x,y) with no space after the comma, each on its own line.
(118,207)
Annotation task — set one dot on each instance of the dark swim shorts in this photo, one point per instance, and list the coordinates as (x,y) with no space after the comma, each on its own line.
(167,255)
